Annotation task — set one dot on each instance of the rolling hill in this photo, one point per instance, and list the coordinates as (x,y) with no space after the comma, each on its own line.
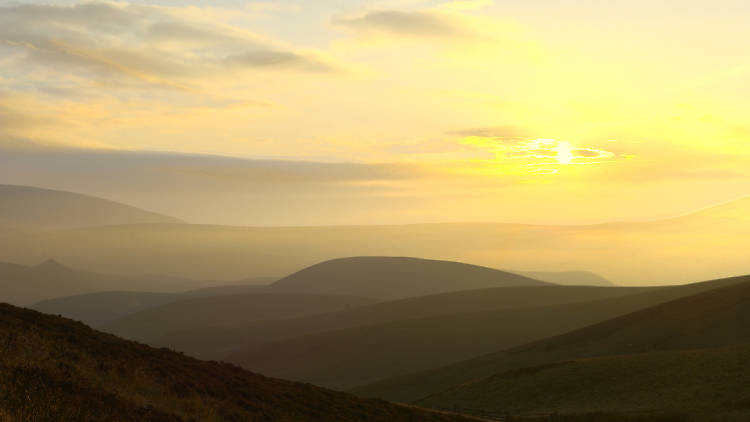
(250,285)
(208,313)
(32,208)
(346,358)
(219,342)
(95,309)
(568,278)
(717,317)
(52,368)
(394,277)
(24,285)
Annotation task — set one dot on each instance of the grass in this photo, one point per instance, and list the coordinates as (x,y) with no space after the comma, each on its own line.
(54,369)
(699,383)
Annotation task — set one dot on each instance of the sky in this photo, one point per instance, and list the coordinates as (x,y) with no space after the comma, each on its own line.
(360,112)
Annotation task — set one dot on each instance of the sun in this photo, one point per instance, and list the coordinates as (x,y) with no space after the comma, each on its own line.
(564,153)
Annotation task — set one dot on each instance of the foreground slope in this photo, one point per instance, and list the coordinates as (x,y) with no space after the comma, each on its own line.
(688,385)
(54,369)
(702,315)
(33,208)
(395,277)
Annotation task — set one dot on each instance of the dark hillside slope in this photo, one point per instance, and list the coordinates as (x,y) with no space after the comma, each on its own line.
(207,313)
(395,277)
(218,342)
(715,318)
(95,309)
(52,368)
(690,385)
(31,208)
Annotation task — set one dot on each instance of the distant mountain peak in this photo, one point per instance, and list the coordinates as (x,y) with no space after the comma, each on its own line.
(52,264)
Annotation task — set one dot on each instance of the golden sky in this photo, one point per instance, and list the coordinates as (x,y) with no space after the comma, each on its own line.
(390,111)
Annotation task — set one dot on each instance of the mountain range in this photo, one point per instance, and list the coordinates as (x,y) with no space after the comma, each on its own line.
(625,253)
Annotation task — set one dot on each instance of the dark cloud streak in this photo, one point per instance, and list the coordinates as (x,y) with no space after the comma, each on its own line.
(417,23)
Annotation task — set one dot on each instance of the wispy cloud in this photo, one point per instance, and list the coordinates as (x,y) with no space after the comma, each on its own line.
(537,152)
(412,23)
(149,44)
(462,5)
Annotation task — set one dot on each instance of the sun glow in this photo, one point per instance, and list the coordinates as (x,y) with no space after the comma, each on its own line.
(564,153)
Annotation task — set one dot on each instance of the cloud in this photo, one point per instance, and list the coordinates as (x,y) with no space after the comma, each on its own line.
(12,120)
(462,5)
(265,7)
(588,153)
(537,151)
(151,45)
(500,133)
(277,59)
(215,189)
(414,23)
(206,171)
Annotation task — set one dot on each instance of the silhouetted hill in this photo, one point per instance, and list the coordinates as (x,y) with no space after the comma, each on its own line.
(20,284)
(715,317)
(100,308)
(39,209)
(250,285)
(706,384)
(24,285)
(568,278)
(207,313)
(52,368)
(218,342)
(395,277)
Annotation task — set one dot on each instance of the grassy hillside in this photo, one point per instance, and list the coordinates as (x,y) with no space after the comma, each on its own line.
(366,353)
(695,383)
(218,342)
(346,358)
(395,277)
(33,208)
(54,369)
(714,314)
(207,313)
(25,285)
